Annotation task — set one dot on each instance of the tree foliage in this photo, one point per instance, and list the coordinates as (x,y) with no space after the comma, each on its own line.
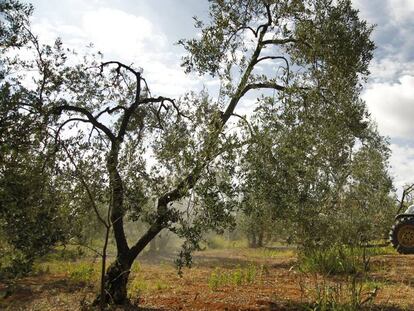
(315,139)
(123,152)
(33,212)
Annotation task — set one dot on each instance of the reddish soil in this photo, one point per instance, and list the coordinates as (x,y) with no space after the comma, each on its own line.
(275,284)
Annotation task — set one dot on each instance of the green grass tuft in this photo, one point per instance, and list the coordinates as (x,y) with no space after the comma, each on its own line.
(238,277)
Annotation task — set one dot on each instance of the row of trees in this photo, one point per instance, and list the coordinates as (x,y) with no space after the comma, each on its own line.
(95,140)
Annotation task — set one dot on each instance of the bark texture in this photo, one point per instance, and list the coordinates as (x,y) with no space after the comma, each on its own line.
(116,280)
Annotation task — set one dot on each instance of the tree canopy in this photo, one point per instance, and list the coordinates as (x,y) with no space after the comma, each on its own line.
(122,151)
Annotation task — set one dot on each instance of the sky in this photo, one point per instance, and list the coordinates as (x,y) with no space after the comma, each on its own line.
(145,32)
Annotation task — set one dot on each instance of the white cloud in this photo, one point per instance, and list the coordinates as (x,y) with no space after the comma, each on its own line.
(392,106)
(169,79)
(135,39)
(401,10)
(125,35)
(389,69)
(395,11)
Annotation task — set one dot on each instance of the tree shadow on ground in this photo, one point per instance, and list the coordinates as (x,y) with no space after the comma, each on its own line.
(19,294)
(207,260)
(156,258)
(199,260)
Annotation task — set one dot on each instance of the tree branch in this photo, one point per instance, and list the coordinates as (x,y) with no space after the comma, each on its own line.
(191,179)
(90,117)
(66,122)
(245,121)
(137,75)
(279,41)
(121,65)
(161,99)
(277,57)
(239,92)
(110,111)
(85,185)
(263,85)
(285,41)
(269,19)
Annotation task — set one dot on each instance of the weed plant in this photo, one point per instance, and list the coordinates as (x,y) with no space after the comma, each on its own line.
(339,259)
(353,290)
(238,277)
(349,295)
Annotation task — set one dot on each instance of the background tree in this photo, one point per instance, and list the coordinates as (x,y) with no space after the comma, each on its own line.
(32,205)
(323,169)
(315,140)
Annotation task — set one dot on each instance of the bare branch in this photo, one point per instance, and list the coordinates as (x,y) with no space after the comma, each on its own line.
(246,28)
(66,122)
(137,75)
(269,19)
(91,118)
(110,111)
(279,41)
(162,100)
(158,115)
(263,85)
(146,87)
(87,247)
(121,65)
(277,57)
(273,57)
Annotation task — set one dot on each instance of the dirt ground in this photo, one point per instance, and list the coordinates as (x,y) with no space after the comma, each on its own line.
(236,279)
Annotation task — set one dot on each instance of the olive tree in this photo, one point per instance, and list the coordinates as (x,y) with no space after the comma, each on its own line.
(32,207)
(142,156)
(323,170)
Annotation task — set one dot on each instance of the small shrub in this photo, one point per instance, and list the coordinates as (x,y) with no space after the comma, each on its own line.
(236,277)
(383,250)
(137,286)
(82,273)
(76,272)
(334,260)
(215,280)
(250,274)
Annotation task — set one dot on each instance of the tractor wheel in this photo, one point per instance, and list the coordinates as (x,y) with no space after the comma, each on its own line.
(402,235)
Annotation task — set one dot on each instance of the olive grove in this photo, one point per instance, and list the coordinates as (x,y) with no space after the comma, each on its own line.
(122,151)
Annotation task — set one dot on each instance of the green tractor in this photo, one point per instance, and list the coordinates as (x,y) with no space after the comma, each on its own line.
(402,232)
